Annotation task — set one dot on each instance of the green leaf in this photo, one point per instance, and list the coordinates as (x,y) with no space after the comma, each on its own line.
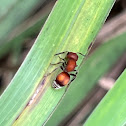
(71,26)
(94,67)
(112,109)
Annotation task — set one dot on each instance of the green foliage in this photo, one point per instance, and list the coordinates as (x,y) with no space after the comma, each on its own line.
(71,26)
(112,110)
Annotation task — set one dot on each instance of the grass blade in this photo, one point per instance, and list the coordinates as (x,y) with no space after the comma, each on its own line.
(112,109)
(79,27)
(88,75)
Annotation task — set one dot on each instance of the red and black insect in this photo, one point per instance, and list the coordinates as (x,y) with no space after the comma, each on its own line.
(68,65)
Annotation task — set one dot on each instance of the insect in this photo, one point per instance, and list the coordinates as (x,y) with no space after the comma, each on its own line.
(68,65)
